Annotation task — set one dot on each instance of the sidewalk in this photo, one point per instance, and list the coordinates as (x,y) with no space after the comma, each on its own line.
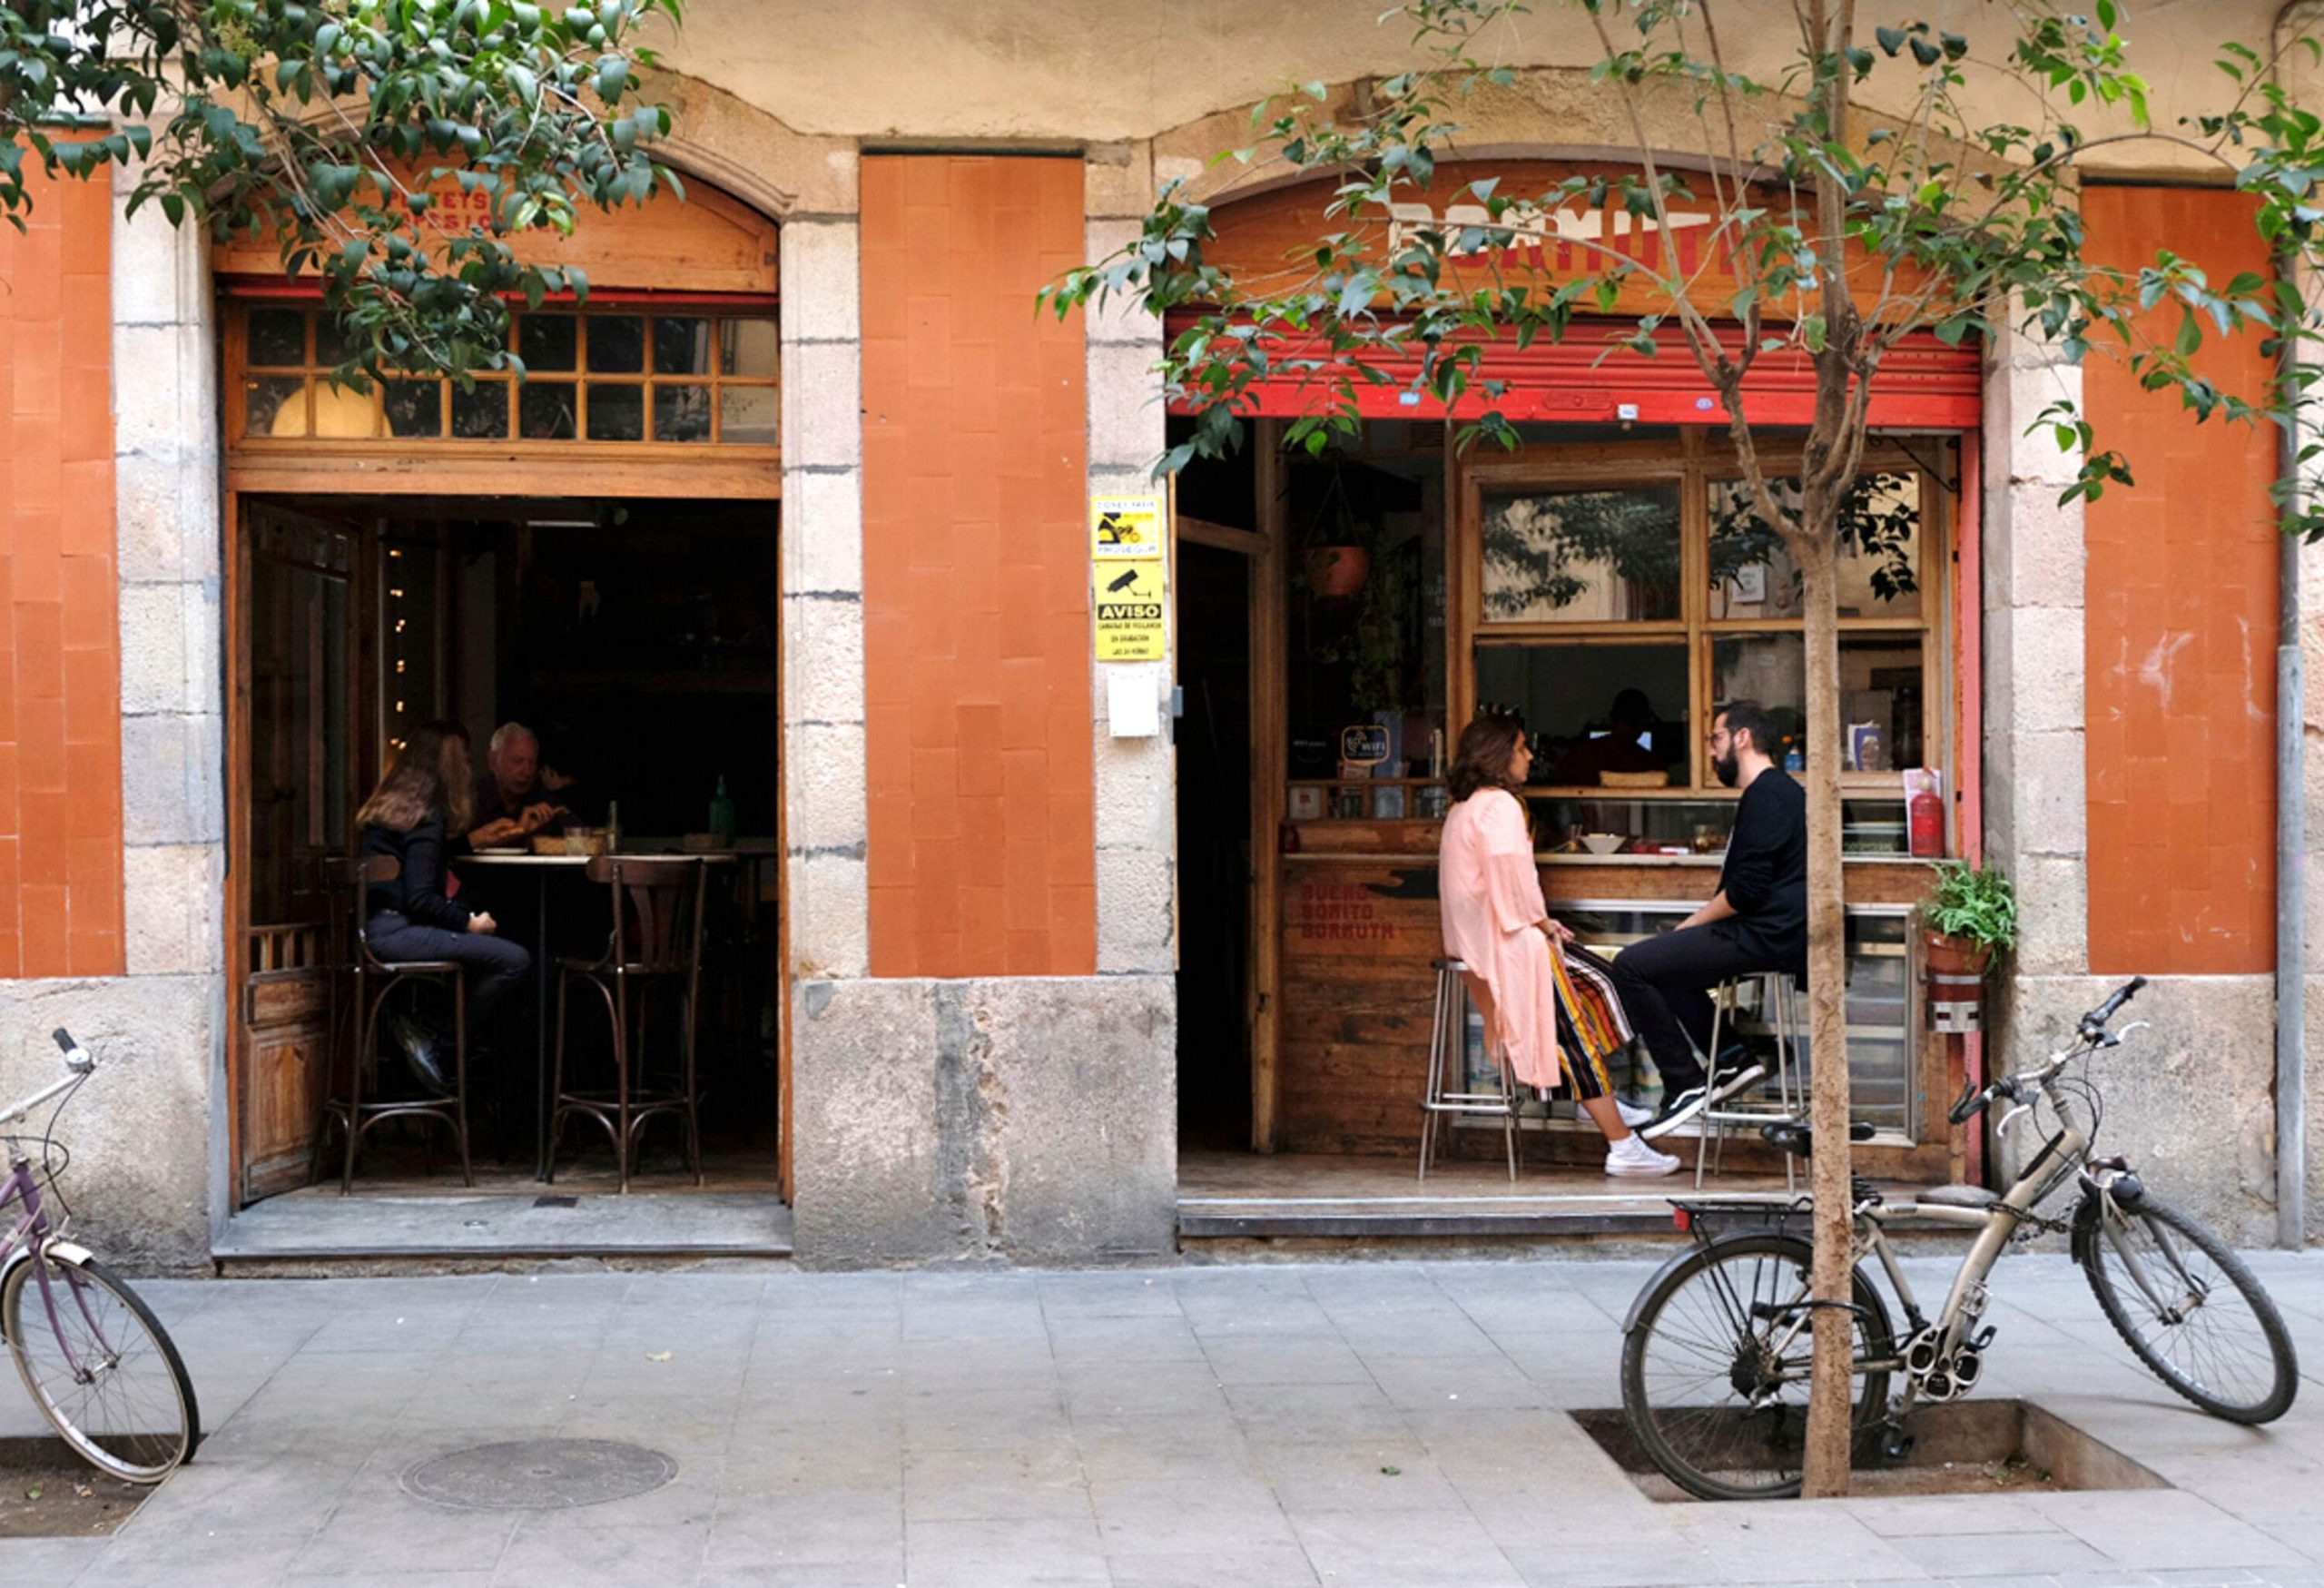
(1393,1423)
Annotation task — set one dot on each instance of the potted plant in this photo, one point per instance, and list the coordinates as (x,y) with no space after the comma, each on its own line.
(1971,916)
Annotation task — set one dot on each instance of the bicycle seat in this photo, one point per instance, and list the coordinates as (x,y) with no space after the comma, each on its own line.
(1793,1136)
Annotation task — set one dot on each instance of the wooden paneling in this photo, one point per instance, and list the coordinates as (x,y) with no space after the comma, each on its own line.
(709,242)
(976,571)
(2180,628)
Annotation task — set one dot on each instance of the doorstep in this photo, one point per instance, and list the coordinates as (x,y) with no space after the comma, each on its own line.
(319,1226)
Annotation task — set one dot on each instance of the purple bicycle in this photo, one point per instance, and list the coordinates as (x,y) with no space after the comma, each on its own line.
(98,1363)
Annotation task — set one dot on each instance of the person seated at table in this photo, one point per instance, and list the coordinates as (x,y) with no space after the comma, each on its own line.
(1625,745)
(424,795)
(1497,923)
(1757,921)
(517,797)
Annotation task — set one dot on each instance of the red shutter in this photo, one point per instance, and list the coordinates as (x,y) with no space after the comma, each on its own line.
(1922,384)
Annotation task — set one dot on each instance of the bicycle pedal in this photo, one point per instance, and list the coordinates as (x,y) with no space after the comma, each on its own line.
(1984,1338)
(1897,1445)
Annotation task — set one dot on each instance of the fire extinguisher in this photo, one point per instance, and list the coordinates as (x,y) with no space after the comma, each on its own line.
(1925,814)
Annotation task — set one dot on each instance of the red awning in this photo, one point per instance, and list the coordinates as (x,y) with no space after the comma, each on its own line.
(1922,384)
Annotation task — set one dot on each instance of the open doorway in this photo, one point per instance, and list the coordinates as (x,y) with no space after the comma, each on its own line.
(1214,849)
(636,642)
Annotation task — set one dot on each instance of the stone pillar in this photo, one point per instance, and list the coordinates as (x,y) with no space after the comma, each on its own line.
(1137,786)
(823,591)
(150,1126)
(985,1118)
(2190,1100)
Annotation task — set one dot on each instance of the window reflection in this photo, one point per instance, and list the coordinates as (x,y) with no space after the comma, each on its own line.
(1753,576)
(1582,556)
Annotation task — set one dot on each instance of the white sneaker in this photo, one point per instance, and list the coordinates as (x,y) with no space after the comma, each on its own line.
(1633,1114)
(1632,1156)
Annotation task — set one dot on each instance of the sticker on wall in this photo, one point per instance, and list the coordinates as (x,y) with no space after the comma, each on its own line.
(1125,528)
(1128,600)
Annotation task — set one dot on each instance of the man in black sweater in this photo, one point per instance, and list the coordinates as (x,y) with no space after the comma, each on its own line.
(1757,921)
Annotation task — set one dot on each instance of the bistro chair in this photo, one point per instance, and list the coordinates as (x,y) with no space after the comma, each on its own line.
(654,947)
(1449,1090)
(373,980)
(1777,1000)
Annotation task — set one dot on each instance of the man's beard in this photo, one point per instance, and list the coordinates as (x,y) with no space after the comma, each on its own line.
(1727,769)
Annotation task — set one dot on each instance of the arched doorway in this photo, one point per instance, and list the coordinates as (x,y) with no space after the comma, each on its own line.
(591,552)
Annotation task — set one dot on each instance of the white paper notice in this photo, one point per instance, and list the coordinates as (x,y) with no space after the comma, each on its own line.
(1133,704)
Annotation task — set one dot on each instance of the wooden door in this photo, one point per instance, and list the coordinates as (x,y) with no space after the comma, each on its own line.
(297,663)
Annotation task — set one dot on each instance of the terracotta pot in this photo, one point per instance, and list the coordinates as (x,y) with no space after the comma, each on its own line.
(1954,956)
(1337,570)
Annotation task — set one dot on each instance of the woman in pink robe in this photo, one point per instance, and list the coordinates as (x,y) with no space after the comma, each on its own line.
(1497,923)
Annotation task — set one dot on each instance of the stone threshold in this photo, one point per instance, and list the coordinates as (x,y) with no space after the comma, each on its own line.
(317,1225)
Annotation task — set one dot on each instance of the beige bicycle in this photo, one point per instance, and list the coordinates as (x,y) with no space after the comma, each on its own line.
(1715,1355)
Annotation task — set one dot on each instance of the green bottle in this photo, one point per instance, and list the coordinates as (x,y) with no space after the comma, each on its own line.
(722,816)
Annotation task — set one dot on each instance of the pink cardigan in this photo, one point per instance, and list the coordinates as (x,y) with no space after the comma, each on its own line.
(1491,892)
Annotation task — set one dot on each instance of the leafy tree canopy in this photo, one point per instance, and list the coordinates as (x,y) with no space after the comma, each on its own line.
(326,121)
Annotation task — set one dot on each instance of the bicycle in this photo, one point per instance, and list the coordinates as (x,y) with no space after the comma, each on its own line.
(1715,1350)
(94,1359)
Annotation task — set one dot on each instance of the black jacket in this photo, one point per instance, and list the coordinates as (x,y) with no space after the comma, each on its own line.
(1765,875)
(418,892)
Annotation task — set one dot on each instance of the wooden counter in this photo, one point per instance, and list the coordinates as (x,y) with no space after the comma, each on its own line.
(1358,934)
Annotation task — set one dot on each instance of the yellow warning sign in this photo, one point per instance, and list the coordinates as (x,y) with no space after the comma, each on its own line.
(1128,600)
(1125,528)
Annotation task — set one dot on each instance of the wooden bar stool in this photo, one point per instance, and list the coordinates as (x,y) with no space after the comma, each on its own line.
(1778,993)
(1448,1080)
(655,946)
(374,980)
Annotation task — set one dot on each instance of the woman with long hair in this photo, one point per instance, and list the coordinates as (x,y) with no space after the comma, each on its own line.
(424,796)
(1497,923)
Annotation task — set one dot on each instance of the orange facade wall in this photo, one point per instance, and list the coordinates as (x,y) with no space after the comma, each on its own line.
(976,580)
(2180,590)
(60,634)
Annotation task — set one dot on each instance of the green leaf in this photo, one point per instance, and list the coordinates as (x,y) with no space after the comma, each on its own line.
(1811,331)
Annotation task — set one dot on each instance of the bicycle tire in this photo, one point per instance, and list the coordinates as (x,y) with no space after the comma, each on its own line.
(2092,1250)
(1665,1438)
(137,1454)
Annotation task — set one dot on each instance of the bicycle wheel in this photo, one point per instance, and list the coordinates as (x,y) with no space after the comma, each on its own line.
(1717,1395)
(2188,1307)
(100,1366)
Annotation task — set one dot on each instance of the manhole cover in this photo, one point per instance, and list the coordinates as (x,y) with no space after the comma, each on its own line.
(540,1474)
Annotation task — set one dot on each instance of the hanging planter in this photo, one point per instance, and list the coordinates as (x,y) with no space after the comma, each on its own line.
(1337,571)
(1969,918)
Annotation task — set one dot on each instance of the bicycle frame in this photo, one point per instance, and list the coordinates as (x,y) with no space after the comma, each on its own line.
(33,1236)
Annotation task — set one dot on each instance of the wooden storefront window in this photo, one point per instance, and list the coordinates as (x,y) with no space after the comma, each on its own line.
(655,379)
(1641,567)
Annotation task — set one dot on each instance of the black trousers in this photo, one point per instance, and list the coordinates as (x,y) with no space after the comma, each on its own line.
(1665,983)
(495,966)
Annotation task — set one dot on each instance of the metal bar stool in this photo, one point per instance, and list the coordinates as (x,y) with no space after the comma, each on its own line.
(374,980)
(1448,1059)
(655,944)
(1778,995)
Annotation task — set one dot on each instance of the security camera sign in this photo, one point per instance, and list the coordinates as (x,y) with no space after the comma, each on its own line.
(1126,582)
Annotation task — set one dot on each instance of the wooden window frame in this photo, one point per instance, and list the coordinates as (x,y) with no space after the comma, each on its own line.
(385,463)
(1701,460)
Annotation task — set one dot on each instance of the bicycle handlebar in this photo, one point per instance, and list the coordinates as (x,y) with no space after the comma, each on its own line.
(2098,1017)
(2091,1027)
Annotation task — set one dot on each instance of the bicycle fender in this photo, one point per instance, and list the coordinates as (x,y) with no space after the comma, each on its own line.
(69,1251)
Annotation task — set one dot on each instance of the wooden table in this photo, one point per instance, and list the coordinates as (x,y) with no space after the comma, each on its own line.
(542,867)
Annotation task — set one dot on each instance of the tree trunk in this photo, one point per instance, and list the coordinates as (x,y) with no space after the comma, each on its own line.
(1832,1385)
